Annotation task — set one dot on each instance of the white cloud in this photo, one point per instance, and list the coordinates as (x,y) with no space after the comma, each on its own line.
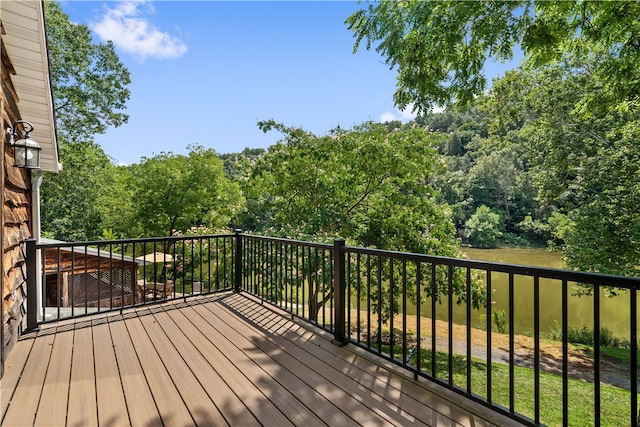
(405,115)
(402,115)
(408,113)
(387,117)
(130,30)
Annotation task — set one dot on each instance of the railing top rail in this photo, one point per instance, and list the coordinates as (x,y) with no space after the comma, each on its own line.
(126,241)
(290,241)
(542,272)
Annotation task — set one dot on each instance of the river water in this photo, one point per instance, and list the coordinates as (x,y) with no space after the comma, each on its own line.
(614,313)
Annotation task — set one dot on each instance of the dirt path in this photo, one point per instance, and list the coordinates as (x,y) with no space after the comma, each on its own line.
(581,364)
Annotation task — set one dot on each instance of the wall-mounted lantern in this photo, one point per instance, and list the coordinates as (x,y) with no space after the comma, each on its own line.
(26,151)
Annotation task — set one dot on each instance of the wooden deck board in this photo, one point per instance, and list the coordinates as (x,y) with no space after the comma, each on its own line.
(378,397)
(245,390)
(414,397)
(212,360)
(389,387)
(14,367)
(275,396)
(201,386)
(141,407)
(112,408)
(52,409)
(187,384)
(31,383)
(359,404)
(82,408)
(169,403)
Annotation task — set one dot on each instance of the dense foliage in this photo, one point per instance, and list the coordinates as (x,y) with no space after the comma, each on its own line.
(368,184)
(547,156)
(440,47)
(560,134)
(175,192)
(89,80)
(90,91)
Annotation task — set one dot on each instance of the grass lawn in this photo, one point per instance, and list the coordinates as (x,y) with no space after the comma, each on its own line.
(615,401)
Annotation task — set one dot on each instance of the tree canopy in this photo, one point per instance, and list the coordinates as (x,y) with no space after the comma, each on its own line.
(439,48)
(90,91)
(567,121)
(175,192)
(368,184)
(70,198)
(547,154)
(586,161)
(89,80)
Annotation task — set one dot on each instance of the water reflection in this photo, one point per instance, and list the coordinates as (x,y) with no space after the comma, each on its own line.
(615,312)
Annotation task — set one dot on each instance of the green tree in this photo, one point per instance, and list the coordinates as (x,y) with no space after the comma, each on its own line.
(577,104)
(175,192)
(369,185)
(70,199)
(585,159)
(89,88)
(483,228)
(440,47)
(492,181)
(116,205)
(236,165)
(89,80)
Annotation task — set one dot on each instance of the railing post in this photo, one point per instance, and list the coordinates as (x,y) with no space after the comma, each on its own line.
(32,285)
(339,288)
(237,279)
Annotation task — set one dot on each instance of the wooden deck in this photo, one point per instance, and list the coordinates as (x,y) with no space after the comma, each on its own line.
(213,360)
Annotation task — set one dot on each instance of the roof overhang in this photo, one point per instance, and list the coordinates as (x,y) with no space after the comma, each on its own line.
(86,251)
(25,42)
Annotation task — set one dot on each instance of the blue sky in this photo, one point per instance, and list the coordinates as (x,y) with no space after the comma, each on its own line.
(207,71)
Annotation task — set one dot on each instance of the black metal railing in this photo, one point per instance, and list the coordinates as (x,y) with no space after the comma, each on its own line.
(434,316)
(82,278)
(418,312)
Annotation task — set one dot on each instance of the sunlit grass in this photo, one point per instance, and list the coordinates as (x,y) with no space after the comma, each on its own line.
(614,407)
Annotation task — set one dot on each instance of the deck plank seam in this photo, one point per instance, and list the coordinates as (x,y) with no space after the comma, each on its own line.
(348,354)
(150,311)
(304,376)
(397,374)
(295,335)
(73,347)
(35,415)
(337,378)
(257,366)
(115,357)
(196,348)
(177,350)
(266,372)
(5,409)
(319,334)
(33,419)
(132,318)
(121,318)
(160,318)
(106,323)
(404,402)
(95,370)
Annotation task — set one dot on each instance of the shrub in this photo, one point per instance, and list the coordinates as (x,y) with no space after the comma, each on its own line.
(482,230)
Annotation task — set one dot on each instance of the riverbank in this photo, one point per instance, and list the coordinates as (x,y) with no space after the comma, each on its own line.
(613,371)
